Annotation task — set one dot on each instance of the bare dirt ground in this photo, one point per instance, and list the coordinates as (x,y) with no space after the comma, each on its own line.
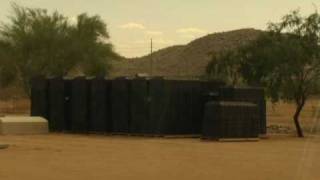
(73,157)
(15,107)
(281,114)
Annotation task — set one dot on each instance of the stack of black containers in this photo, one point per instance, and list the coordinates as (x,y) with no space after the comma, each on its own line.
(58,104)
(132,106)
(39,96)
(235,113)
(120,110)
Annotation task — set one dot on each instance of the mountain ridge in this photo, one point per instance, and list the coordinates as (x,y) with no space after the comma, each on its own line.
(184,61)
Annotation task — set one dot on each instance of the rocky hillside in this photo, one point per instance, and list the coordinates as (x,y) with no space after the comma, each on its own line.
(185,61)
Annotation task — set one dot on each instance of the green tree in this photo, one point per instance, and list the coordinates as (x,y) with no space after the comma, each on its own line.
(7,70)
(225,66)
(90,36)
(39,43)
(286,60)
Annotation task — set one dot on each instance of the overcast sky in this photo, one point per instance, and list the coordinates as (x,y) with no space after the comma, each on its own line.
(131,23)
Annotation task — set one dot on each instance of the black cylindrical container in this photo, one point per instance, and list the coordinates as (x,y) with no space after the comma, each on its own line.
(79,105)
(39,97)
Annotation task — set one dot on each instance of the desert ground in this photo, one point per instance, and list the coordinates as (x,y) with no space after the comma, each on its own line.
(75,157)
(79,157)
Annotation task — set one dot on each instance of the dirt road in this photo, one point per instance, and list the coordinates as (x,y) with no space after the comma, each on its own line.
(73,157)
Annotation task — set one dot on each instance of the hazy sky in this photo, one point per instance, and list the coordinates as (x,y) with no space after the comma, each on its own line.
(132,23)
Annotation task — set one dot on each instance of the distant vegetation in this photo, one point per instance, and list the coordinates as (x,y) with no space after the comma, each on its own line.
(285,60)
(36,43)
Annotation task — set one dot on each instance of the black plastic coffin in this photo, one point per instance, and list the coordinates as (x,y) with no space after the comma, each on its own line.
(79,105)
(159,101)
(39,97)
(109,120)
(185,109)
(170,124)
(197,106)
(211,127)
(57,105)
(120,105)
(139,104)
(163,116)
(98,105)
(67,103)
(263,116)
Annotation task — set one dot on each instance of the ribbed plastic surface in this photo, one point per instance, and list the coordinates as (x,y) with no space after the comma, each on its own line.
(79,105)
(137,106)
(230,119)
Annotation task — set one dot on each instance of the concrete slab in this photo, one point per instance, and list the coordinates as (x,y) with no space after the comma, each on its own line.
(23,125)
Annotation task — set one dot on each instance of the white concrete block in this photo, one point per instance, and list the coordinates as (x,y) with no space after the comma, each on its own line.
(23,125)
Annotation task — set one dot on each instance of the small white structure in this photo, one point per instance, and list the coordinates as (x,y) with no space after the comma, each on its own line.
(23,125)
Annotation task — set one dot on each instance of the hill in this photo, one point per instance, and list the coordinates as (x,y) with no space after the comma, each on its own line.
(185,61)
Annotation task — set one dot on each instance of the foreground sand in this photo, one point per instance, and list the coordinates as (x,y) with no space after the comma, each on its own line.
(75,157)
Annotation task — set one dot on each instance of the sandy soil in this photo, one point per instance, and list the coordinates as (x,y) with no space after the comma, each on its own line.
(68,157)
(75,157)
(282,113)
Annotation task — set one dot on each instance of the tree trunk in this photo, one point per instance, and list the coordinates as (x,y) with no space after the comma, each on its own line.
(299,107)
